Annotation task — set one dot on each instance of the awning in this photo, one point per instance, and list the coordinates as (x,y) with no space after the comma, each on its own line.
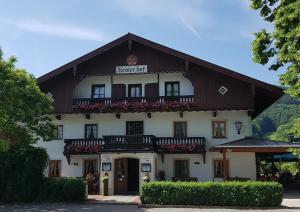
(251,144)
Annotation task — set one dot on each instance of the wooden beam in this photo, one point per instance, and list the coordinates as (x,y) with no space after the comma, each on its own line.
(253,90)
(74,70)
(186,65)
(254,149)
(225,168)
(299,169)
(129,44)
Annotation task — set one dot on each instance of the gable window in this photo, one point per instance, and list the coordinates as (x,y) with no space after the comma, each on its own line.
(180,129)
(91,131)
(135,90)
(219,168)
(54,168)
(219,129)
(98,91)
(59,135)
(181,168)
(172,89)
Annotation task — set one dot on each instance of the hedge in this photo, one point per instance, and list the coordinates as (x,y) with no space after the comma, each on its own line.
(62,189)
(22,179)
(21,174)
(250,193)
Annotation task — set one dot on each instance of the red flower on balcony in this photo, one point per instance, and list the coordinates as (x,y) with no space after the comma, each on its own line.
(180,148)
(82,149)
(135,106)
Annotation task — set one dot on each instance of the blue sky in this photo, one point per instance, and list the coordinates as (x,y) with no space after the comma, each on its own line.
(47,34)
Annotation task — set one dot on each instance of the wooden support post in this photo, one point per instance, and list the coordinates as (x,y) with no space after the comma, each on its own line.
(225,168)
(299,169)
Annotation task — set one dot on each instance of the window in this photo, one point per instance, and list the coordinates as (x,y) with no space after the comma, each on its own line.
(91,131)
(181,168)
(98,91)
(60,130)
(218,168)
(134,127)
(172,89)
(180,129)
(219,129)
(90,167)
(54,168)
(135,90)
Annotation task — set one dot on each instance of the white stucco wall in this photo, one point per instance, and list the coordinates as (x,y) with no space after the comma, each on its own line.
(240,165)
(160,124)
(84,87)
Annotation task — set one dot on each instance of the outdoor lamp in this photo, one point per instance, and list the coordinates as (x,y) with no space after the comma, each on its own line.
(238,126)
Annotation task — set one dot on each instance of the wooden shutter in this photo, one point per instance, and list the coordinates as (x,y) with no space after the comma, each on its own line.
(151,90)
(118,91)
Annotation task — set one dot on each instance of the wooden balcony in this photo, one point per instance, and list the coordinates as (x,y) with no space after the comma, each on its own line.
(137,143)
(181,145)
(140,104)
(126,143)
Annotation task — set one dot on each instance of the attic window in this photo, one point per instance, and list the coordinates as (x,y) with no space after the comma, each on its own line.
(223,90)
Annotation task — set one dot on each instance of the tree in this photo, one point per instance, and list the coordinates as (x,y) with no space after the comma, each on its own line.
(23,108)
(281,47)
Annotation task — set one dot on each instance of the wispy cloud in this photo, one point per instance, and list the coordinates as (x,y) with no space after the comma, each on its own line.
(61,30)
(190,15)
(188,25)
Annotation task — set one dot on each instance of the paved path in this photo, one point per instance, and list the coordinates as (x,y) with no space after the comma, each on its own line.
(291,202)
(57,207)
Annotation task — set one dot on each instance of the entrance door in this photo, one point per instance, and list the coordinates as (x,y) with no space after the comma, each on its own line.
(134,128)
(133,176)
(126,176)
(121,176)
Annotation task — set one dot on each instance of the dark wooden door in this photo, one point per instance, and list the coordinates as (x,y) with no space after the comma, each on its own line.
(152,91)
(118,91)
(121,176)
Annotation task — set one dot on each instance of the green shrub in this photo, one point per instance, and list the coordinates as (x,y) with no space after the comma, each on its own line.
(74,190)
(21,179)
(62,190)
(21,174)
(252,194)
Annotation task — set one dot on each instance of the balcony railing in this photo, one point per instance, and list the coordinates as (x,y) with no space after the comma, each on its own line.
(83,146)
(128,142)
(136,143)
(140,104)
(181,145)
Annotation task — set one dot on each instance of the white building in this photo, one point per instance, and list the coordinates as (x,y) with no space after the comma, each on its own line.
(134,108)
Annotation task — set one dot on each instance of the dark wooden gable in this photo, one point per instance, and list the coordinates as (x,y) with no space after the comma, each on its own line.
(157,61)
(244,93)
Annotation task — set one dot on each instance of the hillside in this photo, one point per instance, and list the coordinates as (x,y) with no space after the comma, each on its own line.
(274,122)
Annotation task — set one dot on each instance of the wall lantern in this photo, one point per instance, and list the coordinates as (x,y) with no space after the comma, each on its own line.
(238,126)
(181,114)
(215,113)
(149,115)
(118,115)
(87,116)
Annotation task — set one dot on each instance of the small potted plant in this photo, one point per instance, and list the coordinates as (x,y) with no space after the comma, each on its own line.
(146,178)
